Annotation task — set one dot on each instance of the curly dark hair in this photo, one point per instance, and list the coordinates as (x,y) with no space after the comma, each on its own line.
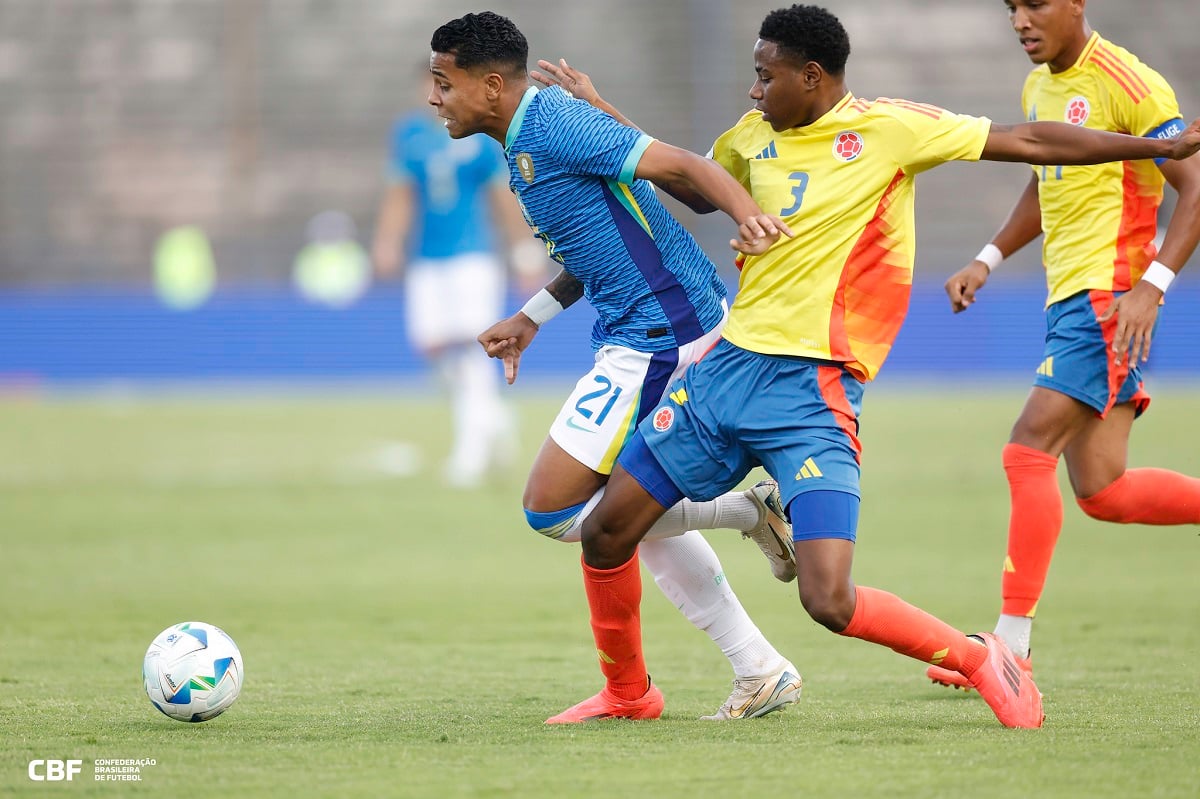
(483,39)
(808,33)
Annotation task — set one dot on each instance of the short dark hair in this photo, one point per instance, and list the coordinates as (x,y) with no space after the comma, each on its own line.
(808,33)
(483,39)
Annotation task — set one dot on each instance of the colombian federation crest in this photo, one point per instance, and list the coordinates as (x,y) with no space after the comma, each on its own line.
(525,166)
(664,418)
(847,145)
(1078,110)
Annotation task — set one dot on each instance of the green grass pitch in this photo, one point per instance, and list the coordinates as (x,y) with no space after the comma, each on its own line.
(404,639)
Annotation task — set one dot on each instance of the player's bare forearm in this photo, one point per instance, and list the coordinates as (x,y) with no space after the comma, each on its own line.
(565,288)
(1023,225)
(1183,231)
(1060,143)
(579,85)
(1024,222)
(666,165)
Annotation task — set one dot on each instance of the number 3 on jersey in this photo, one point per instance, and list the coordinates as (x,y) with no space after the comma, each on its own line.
(593,398)
(799,182)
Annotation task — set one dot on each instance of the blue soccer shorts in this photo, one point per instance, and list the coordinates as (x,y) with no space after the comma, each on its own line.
(737,409)
(1079,361)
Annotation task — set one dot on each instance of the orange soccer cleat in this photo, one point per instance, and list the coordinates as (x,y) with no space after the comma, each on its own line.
(606,706)
(953,679)
(1008,689)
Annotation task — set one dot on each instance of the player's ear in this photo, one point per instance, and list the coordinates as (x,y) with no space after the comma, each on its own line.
(493,85)
(811,73)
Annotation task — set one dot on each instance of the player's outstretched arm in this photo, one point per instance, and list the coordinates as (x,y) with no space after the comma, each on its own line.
(666,164)
(579,84)
(1023,225)
(1137,309)
(508,338)
(1060,143)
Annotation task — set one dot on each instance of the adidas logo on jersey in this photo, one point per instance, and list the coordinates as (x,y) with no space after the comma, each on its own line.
(768,152)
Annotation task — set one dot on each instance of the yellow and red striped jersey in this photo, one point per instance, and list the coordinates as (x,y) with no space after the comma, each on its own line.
(1100,221)
(839,289)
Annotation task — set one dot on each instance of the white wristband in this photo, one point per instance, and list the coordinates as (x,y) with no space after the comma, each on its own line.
(542,307)
(1159,275)
(990,255)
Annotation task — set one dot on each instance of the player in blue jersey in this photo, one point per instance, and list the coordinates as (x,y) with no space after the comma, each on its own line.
(581,179)
(446,204)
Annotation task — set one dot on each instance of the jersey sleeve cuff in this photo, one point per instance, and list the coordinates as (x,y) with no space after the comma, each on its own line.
(631,160)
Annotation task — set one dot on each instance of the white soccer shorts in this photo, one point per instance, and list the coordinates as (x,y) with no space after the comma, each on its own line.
(602,411)
(452,300)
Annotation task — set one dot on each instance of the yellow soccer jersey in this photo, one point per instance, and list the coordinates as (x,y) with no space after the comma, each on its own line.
(1100,221)
(839,289)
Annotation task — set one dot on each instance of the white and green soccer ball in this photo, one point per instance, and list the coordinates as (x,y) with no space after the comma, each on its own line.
(192,671)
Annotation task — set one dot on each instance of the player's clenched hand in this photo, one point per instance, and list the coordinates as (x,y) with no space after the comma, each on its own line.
(1186,143)
(963,284)
(758,233)
(577,83)
(506,340)
(1135,310)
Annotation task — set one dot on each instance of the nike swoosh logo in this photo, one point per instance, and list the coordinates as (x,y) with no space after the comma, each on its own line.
(737,712)
(571,424)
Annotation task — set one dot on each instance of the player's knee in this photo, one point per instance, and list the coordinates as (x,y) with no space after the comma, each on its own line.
(1108,505)
(608,540)
(554,524)
(831,609)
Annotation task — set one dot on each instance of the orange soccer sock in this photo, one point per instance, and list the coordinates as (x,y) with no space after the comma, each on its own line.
(883,618)
(1147,496)
(1034,523)
(615,597)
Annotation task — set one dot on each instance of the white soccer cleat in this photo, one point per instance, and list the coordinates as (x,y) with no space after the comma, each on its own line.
(773,533)
(757,696)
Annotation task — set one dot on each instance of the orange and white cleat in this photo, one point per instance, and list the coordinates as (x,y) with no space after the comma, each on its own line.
(1009,691)
(953,679)
(606,706)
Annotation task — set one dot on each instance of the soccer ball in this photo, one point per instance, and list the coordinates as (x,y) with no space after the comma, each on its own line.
(192,671)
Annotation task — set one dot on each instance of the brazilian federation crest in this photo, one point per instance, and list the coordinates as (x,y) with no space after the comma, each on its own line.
(525,166)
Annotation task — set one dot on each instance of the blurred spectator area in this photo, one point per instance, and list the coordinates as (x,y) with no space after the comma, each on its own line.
(123,118)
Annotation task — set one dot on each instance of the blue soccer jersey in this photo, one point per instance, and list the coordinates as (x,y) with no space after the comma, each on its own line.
(451,178)
(572,166)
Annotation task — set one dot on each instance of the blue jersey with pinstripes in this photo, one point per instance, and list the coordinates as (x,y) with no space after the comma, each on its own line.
(451,179)
(571,166)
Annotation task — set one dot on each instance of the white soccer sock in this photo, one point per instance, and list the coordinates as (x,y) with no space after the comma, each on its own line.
(1016,632)
(478,411)
(688,572)
(732,510)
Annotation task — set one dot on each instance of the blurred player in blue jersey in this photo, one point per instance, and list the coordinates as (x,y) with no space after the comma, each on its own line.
(581,179)
(446,204)
(1105,281)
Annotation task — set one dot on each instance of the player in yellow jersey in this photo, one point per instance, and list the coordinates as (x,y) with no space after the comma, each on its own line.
(1105,284)
(813,321)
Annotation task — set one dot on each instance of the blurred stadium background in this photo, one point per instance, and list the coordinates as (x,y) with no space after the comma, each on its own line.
(244,119)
